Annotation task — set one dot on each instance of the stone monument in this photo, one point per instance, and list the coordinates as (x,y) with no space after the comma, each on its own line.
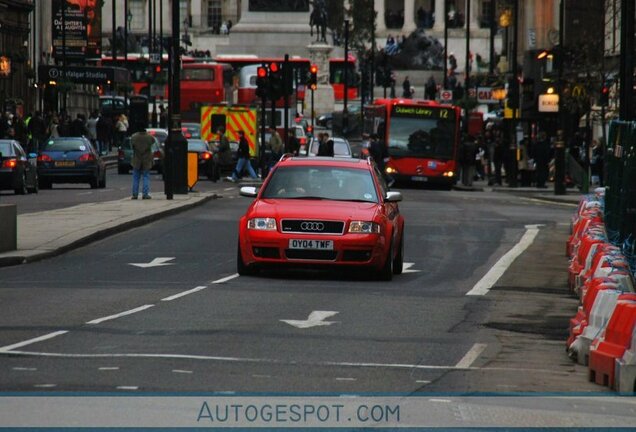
(319,54)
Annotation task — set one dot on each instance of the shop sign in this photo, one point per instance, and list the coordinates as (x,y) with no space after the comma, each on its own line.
(5,66)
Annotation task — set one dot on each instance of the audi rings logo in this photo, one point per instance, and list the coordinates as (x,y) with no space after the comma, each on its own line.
(312,226)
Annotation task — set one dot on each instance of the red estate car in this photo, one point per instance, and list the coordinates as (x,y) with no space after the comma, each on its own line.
(322,211)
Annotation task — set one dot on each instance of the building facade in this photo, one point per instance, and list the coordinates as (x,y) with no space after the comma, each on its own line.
(16,71)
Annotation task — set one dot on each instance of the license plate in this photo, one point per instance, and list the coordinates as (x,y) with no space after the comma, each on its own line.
(419,178)
(311,244)
(65,163)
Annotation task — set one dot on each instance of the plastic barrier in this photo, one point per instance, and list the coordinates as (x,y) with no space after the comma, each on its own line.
(626,369)
(614,341)
(578,261)
(606,265)
(599,316)
(580,320)
(595,251)
(593,216)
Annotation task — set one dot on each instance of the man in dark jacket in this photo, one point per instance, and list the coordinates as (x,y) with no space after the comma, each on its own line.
(105,131)
(37,129)
(141,160)
(78,126)
(243,162)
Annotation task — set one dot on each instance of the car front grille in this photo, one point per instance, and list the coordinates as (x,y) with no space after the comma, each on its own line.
(305,226)
(321,255)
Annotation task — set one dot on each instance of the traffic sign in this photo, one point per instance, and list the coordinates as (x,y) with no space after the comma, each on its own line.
(446,95)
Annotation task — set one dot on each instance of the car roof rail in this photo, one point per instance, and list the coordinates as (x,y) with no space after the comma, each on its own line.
(285,156)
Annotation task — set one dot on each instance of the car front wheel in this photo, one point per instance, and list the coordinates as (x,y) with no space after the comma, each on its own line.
(398,262)
(386,272)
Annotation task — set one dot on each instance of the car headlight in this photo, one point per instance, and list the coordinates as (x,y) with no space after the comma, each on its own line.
(390,170)
(263,224)
(363,227)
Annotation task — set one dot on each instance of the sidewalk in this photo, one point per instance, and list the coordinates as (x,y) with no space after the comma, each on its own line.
(572,195)
(49,233)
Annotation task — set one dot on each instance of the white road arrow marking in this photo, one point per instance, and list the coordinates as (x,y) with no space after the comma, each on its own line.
(407,268)
(313,320)
(157,262)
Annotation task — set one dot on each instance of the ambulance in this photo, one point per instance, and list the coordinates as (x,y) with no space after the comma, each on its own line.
(233,119)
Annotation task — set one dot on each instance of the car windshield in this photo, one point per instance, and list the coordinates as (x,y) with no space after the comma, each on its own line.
(321,182)
(66,145)
(161,135)
(193,129)
(417,137)
(197,146)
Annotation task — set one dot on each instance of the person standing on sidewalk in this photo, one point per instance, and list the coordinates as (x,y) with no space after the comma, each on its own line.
(243,162)
(141,161)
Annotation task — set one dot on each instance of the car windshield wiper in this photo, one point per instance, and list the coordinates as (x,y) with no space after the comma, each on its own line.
(307,197)
(352,200)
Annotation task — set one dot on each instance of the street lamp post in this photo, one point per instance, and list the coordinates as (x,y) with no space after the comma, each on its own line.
(345,111)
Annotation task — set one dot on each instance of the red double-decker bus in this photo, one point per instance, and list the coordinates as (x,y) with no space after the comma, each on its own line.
(300,67)
(337,77)
(422,138)
(204,84)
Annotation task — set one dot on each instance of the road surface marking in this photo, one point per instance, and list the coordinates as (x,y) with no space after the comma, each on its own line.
(440,400)
(181,371)
(84,193)
(108,368)
(470,357)
(45,385)
(112,317)
(346,379)
(24,369)
(225,279)
(407,268)
(228,189)
(31,341)
(127,388)
(157,262)
(261,376)
(542,201)
(184,293)
(316,318)
(490,279)
(422,381)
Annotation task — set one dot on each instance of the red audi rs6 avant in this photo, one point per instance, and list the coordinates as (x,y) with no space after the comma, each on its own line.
(322,211)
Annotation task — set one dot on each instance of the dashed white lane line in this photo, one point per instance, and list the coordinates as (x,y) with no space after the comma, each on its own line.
(422,381)
(225,279)
(260,376)
(8,348)
(181,371)
(108,368)
(345,379)
(490,279)
(45,385)
(119,315)
(470,357)
(228,189)
(24,369)
(184,293)
(440,400)
(127,388)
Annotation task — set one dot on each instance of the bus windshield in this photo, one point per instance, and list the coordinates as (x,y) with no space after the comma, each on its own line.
(421,137)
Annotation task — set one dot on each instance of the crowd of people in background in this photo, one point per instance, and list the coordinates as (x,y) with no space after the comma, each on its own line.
(33,130)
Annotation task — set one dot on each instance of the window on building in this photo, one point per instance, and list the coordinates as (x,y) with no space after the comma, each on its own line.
(138,14)
(184,12)
(214,15)
(484,17)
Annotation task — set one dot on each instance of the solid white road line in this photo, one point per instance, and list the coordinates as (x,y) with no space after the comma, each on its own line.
(24,369)
(184,293)
(181,371)
(422,381)
(490,279)
(470,357)
(225,279)
(127,388)
(346,379)
(108,368)
(31,341)
(45,385)
(112,317)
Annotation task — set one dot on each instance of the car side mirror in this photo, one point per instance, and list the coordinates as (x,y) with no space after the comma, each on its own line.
(248,191)
(393,197)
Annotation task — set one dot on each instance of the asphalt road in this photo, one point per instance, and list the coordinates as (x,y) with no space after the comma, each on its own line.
(194,325)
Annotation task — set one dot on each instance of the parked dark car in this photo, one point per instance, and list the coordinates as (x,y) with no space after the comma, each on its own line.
(125,152)
(70,160)
(205,157)
(191,130)
(18,171)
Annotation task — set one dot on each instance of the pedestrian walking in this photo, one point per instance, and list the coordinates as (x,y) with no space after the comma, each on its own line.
(467,160)
(37,128)
(104,129)
(406,88)
(293,145)
(141,161)
(78,126)
(542,153)
(276,147)
(596,162)
(121,129)
(325,148)
(243,162)
(91,126)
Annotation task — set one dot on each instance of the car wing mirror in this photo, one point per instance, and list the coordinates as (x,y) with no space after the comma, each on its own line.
(248,191)
(393,197)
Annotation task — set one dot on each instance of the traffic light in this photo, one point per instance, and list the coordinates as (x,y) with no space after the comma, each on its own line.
(275,81)
(513,93)
(261,82)
(312,82)
(604,99)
